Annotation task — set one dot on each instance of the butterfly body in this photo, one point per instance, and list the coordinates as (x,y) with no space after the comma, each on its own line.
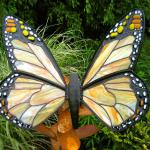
(74,98)
(36,88)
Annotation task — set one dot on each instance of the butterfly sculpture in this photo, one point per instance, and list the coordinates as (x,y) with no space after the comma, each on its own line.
(36,88)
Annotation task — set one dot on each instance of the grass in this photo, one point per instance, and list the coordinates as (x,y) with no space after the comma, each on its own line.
(73,54)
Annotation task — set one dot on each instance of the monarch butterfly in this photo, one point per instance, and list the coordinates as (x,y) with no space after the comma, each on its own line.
(36,87)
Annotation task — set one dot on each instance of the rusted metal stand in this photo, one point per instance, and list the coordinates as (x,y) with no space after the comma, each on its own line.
(62,135)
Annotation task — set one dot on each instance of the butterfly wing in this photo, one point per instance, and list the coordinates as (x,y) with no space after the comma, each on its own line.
(27,101)
(27,53)
(120,48)
(119,101)
(110,89)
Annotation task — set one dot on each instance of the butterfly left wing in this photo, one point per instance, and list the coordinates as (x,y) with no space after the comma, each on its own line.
(118,101)
(120,49)
(27,101)
(27,53)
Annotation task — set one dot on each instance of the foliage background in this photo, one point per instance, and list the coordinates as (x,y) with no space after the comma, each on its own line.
(75,28)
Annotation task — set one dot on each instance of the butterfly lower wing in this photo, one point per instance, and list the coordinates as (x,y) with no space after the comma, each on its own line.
(27,101)
(27,53)
(120,49)
(119,101)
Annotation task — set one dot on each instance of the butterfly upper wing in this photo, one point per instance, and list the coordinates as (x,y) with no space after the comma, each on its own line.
(120,48)
(27,101)
(119,101)
(27,53)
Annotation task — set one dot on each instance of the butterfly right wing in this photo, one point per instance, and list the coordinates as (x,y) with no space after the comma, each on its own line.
(27,102)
